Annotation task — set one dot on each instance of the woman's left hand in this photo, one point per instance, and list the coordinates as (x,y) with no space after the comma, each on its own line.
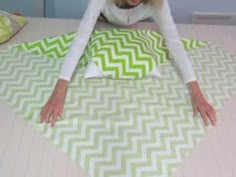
(200,105)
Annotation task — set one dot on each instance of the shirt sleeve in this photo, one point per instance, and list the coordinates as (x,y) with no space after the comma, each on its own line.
(166,24)
(81,39)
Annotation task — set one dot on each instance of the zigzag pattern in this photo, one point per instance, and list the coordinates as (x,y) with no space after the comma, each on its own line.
(157,44)
(114,128)
(53,47)
(121,53)
(217,74)
(152,44)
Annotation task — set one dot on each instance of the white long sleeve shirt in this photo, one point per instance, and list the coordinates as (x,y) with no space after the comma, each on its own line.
(161,16)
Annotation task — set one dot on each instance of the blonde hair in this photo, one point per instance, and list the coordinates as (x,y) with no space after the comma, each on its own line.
(157,3)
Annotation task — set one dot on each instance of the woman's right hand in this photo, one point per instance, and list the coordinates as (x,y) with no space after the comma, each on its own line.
(54,106)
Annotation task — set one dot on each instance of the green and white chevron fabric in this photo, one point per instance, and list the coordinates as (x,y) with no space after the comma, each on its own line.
(129,54)
(122,53)
(128,128)
(118,53)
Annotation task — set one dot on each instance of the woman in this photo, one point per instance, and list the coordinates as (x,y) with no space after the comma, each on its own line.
(127,12)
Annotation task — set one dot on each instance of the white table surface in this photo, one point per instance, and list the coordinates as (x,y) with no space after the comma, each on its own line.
(26,153)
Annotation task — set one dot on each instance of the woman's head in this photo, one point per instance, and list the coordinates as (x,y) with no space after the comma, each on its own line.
(136,2)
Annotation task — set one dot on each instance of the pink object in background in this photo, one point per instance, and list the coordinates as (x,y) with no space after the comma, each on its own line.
(16,13)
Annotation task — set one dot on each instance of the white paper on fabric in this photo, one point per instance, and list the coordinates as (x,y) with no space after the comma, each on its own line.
(93,71)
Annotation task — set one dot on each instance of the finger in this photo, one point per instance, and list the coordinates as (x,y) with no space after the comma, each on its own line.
(48,115)
(204,116)
(43,114)
(212,117)
(213,113)
(195,111)
(60,111)
(54,118)
(43,108)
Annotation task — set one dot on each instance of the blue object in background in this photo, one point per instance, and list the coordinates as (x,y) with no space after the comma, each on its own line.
(34,8)
(181,9)
(65,8)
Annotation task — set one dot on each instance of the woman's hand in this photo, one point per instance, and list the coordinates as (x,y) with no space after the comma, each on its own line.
(200,104)
(54,106)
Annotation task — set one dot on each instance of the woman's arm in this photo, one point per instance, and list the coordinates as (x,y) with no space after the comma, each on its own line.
(54,106)
(165,21)
(81,39)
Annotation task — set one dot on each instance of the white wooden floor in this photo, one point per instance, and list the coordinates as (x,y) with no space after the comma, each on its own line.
(25,153)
